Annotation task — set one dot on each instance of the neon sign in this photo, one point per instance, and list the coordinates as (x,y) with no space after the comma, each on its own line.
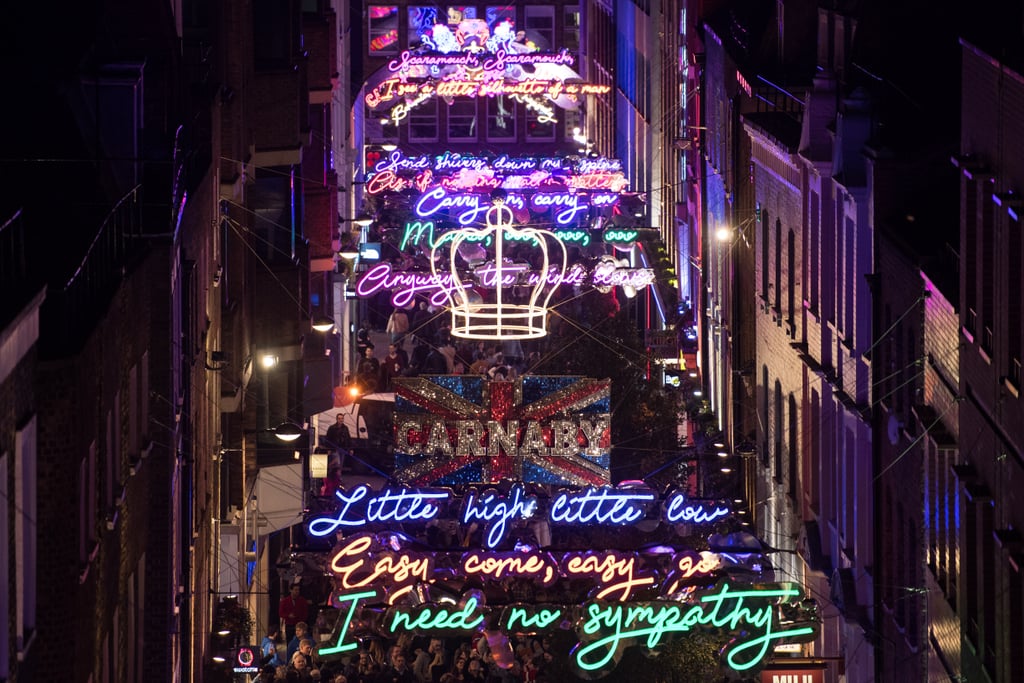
(469,207)
(246,661)
(496,511)
(592,506)
(364,560)
(398,506)
(406,285)
(395,89)
(419,435)
(620,236)
(752,615)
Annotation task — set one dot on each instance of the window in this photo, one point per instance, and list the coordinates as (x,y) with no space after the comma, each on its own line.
(537,129)
(793,475)
(777,429)
(421,20)
(383,27)
(571,28)
(988,255)
(763,418)
(87,504)
(765,236)
(814,255)
(271,34)
(791,283)
(777,280)
(970,252)
(25,532)
(501,118)
(462,119)
(456,14)
(423,122)
(1014,304)
(495,14)
(5,543)
(540,26)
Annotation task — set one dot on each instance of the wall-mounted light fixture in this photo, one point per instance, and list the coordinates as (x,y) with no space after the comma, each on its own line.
(323,323)
(288,431)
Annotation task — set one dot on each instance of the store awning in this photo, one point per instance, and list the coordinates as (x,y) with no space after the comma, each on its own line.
(278,491)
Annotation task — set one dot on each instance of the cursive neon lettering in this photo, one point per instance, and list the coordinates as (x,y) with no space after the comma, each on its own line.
(600,506)
(677,510)
(751,614)
(435,618)
(497,566)
(617,571)
(339,600)
(522,620)
(497,511)
(404,505)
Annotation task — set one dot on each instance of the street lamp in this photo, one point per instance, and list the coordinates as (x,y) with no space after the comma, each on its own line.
(288,432)
(363,220)
(323,323)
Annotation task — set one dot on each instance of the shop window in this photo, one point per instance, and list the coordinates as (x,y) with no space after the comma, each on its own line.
(421,19)
(462,119)
(571,28)
(539,126)
(501,118)
(423,122)
(539,22)
(383,27)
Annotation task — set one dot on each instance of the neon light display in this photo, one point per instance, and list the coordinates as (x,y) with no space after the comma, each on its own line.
(493,438)
(406,285)
(539,446)
(246,661)
(392,90)
(496,511)
(463,429)
(495,566)
(457,186)
(389,506)
(361,508)
(436,619)
(466,208)
(600,506)
(752,614)
(620,236)
(618,572)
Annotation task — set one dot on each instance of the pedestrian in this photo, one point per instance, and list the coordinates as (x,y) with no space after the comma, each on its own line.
(338,437)
(398,325)
(368,372)
(393,365)
(268,648)
(301,633)
(293,609)
(332,482)
(363,341)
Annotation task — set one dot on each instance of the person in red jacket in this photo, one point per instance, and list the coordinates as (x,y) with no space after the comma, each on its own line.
(292,609)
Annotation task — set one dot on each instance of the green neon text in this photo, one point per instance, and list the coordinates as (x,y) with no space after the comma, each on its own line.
(436,618)
(751,612)
(340,645)
(523,620)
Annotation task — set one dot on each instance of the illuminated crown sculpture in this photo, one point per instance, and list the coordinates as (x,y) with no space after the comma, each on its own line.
(506,317)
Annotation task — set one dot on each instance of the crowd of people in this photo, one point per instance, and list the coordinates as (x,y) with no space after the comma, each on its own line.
(409,659)
(421,344)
